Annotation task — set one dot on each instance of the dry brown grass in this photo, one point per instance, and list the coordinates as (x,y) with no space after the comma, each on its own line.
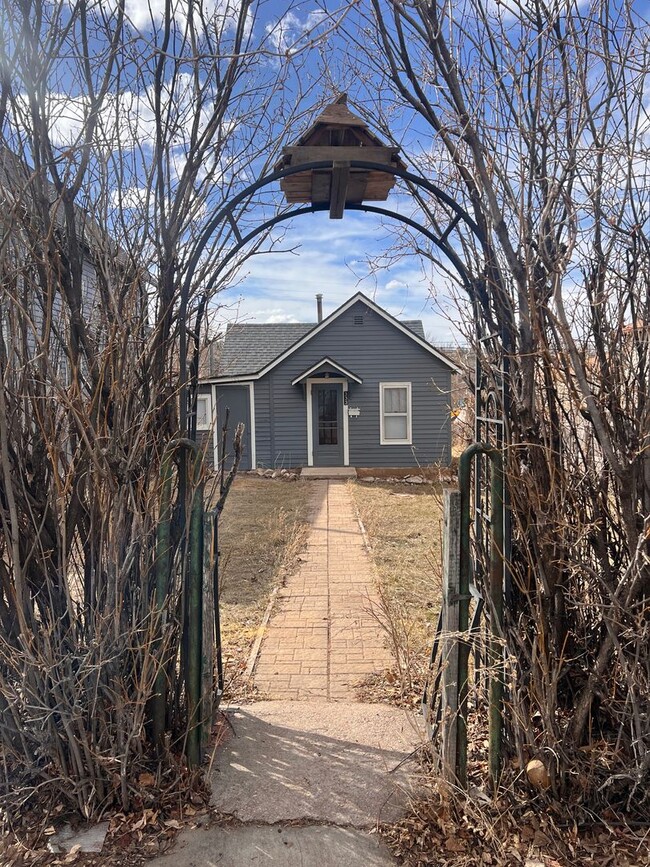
(404,527)
(262,528)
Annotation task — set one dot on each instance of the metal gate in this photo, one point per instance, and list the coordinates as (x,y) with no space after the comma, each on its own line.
(485,542)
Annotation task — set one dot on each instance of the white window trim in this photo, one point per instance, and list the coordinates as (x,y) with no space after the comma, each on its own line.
(409,434)
(215,431)
(210,423)
(251,421)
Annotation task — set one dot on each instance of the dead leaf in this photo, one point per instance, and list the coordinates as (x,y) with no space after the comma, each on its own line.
(147,779)
(72,854)
(453,844)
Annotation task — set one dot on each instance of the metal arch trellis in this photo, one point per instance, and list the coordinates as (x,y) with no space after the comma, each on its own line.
(226,215)
(490,424)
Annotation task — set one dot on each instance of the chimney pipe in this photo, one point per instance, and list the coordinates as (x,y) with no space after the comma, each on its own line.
(319,306)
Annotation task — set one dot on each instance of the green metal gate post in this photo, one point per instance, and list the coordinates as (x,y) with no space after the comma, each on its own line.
(163,570)
(217,602)
(496,617)
(194,585)
(192,597)
(496,598)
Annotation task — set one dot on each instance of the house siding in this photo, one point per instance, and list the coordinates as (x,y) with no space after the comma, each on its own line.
(263,425)
(377,352)
(236,398)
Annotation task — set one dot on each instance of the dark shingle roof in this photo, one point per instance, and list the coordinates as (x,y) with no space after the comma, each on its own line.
(414,325)
(249,348)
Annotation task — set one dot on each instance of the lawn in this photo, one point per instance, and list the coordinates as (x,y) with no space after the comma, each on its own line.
(404,528)
(262,528)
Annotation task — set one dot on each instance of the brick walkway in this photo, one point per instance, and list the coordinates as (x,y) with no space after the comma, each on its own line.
(322,638)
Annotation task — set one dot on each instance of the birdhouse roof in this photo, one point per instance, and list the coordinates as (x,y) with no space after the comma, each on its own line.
(338,116)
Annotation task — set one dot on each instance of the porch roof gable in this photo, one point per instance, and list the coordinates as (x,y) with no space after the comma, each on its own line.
(327,362)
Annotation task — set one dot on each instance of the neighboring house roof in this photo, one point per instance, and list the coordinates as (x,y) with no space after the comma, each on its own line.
(251,351)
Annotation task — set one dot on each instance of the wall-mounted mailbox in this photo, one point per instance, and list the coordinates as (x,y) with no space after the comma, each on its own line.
(354,411)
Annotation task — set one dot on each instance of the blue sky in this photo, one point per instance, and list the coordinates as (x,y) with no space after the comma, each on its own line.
(320,255)
(330,256)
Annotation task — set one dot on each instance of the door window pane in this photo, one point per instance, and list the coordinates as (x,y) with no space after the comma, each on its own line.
(328,434)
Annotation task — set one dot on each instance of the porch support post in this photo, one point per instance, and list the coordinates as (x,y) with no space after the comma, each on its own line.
(310,429)
(346,426)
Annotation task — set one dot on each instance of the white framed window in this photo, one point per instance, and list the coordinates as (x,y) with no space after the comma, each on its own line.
(395,413)
(203,412)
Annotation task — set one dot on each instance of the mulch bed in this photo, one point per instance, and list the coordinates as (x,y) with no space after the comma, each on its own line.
(446,830)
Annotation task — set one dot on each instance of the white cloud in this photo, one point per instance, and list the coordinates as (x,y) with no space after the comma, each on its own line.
(527,10)
(125,119)
(288,33)
(131,198)
(144,15)
(281,287)
(274,316)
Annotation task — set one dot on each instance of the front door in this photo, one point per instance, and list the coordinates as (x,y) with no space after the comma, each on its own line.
(327,416)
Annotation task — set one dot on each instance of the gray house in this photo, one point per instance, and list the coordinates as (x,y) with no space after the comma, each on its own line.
(358,388)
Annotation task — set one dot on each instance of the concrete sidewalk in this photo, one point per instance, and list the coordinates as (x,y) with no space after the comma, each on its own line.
(305,783)
(322,637)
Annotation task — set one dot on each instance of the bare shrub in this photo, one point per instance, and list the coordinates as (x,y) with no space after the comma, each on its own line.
(538,122)
(120,140)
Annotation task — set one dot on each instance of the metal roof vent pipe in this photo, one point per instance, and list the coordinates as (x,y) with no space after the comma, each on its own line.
(319,306)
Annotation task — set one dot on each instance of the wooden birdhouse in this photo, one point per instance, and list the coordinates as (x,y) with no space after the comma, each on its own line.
(340,136)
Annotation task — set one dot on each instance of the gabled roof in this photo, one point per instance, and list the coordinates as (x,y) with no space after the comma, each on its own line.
(251,351)
(337,116)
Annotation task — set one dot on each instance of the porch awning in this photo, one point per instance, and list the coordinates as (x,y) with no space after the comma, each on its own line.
(325,368)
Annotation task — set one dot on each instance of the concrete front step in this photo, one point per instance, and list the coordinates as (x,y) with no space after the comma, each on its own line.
(304,784)
(328,473)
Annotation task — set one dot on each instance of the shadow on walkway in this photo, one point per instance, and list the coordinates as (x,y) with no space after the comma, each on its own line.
(339,763)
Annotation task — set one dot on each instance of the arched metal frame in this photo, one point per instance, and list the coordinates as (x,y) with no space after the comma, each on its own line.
(225,215)
(226,212)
